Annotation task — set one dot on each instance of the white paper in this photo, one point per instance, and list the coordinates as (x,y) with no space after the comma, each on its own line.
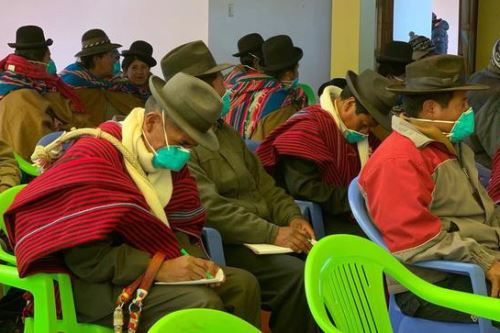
(219,277)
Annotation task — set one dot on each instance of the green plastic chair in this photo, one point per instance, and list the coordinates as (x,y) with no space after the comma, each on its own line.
(27,167)
(344,281)
(201,321)
(41,286)
(308,90)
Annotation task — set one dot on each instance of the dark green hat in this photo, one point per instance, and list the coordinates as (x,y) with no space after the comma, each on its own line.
(95,41)
(30,37)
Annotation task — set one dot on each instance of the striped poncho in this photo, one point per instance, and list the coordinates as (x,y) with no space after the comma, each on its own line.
(87,195)
(494,185)
(254,96)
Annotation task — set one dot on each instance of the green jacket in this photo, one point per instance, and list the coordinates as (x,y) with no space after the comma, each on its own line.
(241,199)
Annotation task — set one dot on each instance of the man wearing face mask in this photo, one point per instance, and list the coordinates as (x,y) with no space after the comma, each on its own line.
(318,151)
(245,205)
(91,77)
(422,188)
(261,102)
(33,102)
(251,59)
(122,195)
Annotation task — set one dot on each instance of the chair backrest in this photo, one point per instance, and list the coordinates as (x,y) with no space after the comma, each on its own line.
(484,174)
(308,90)
(312,212)
(360,212)
(201,321)
(26,167)
(344,279)
(213,242)
(6,199)
(252,145)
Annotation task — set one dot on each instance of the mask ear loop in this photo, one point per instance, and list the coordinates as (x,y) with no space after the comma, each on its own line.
(163,125)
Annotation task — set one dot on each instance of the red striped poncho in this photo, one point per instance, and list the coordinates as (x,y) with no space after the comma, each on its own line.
(313,135)
(88,194)
(494,186)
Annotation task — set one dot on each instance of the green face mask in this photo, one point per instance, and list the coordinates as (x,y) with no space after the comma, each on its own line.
(226,103)
(352,136)
(51,67)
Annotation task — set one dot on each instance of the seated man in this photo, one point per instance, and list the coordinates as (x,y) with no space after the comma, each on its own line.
(33,102)
(422,188)
(123,197)
(91,78)
(486,140)
(261,102)
(317,153)
(243,203)
(251,59)
(494,185)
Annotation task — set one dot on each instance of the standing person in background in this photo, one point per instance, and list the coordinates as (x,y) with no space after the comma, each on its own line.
(439,34)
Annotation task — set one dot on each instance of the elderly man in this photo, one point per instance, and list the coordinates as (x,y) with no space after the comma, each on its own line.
(244,204)
(317,152)
(125,203)
(422,188)
(33,102)
(91,78)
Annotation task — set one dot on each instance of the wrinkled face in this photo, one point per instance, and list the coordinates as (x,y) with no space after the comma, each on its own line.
(434,111)
(155,128)
(104,64)
(137,72)
(361,122)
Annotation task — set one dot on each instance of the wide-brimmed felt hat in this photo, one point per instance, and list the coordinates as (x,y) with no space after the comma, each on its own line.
(280,53)
(249,43)
(435,74)
(192,58)
(95,41)
(396,51)
(193,105)
(369,88)
(30,37)
(142,50)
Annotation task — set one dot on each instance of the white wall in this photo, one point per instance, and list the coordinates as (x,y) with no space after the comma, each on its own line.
(163,23)
(308,23)
(412,15)
(449,10)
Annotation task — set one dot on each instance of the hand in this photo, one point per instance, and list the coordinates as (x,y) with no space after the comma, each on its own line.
(185,268)
(493,275)
(303,224)
(294,238)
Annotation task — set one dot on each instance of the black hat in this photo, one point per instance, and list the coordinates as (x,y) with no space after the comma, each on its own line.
(249,43)
(142,50)
(95,41)
(396,51)
(435,74)
(279,53)
(30,37)
(369,88)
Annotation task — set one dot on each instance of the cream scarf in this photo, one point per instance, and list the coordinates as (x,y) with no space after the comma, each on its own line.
(158,190)
(327,102)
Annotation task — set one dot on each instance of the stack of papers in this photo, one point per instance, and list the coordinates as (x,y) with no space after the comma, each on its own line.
(271,249)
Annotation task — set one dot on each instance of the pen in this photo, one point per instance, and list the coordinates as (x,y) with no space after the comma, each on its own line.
(185,253)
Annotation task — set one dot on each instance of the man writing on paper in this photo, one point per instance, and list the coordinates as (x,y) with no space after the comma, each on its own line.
(244,204)
(107,205)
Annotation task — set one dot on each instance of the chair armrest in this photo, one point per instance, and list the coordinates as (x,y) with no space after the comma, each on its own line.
(213,242)
(8,258)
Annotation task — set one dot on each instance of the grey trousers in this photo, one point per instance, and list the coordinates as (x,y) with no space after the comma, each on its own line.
(281,279)
(239,295)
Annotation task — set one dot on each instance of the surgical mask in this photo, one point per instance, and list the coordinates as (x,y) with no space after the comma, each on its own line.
(291,84)
(353,136)
(169,157)
(226,103)
(116,68)
(462,128)
(51,67)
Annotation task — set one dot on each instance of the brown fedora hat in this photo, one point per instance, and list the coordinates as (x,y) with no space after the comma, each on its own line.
(369,88)
(192,58)
(192,104)
(30,37)
(279,53)
(398,52)
(249,43)
(434,74)
(95,41)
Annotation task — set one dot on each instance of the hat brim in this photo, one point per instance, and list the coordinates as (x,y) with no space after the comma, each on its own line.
(148,60)
(217,68)
(394,59)
(97,50)
(243,52)
(207,139)
(401,89)
(382,119)
(292,59)
(27,46)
